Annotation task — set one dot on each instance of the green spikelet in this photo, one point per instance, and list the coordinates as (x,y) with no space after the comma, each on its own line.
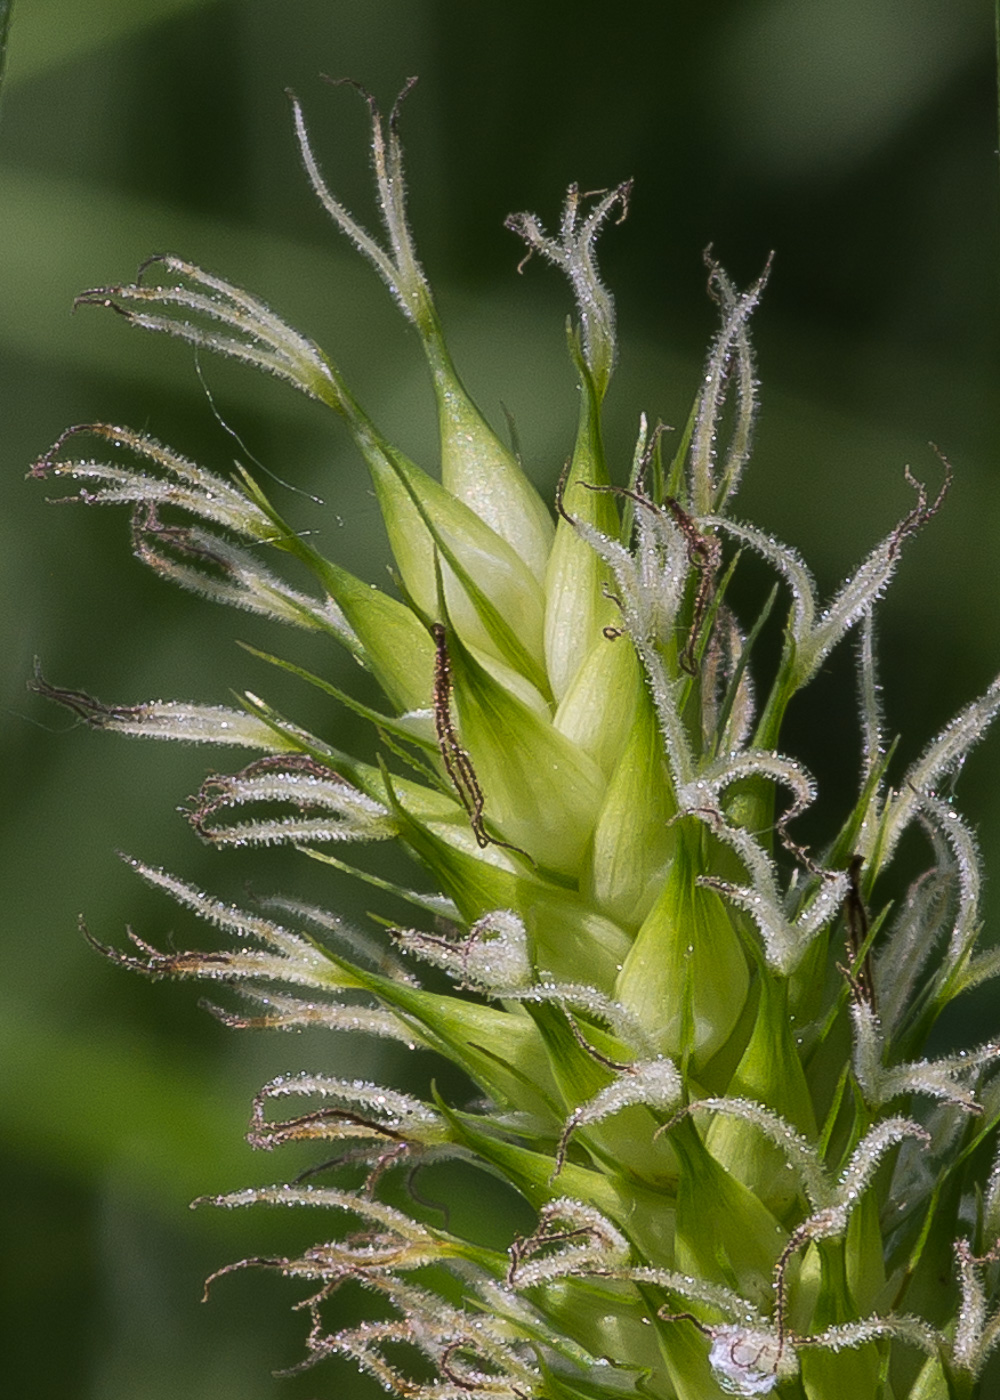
(695,1048)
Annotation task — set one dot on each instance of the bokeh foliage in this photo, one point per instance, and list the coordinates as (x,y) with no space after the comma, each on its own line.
(857,140)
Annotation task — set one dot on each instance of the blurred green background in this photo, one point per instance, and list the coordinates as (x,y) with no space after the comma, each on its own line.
(857,139)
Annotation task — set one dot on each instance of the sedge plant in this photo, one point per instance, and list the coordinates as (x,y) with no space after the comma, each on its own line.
(695,1047)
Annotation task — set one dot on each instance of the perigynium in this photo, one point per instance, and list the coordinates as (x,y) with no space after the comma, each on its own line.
(695,1047)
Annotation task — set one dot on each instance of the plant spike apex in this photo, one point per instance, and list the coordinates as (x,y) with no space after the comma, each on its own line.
(475,466)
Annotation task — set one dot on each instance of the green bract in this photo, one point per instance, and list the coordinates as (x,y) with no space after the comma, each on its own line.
(695,1047)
